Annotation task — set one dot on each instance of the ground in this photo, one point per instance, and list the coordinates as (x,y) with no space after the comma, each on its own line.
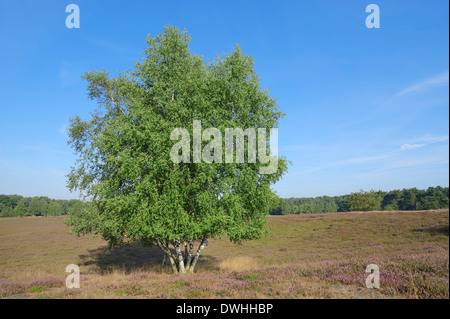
(304,256)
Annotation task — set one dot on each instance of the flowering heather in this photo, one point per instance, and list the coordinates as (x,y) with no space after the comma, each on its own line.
(307,256)
(8,288)
(419,276)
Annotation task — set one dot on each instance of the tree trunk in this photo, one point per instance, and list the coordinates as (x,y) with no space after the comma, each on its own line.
(164,259)
(174,264)
(189,255)
(166,250)
(181,268)
(182,262)
(200,248)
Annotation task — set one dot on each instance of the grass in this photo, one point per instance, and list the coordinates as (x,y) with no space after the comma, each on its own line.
(304,256)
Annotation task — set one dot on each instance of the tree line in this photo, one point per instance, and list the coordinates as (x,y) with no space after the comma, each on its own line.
(20,206)
(405,199)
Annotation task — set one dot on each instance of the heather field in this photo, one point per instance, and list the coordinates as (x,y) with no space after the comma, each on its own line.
(304,256)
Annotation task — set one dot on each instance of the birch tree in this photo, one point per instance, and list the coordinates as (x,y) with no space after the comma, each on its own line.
(123,150)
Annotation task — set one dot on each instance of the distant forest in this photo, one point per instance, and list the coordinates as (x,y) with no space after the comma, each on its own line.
(405,199)
(17,206)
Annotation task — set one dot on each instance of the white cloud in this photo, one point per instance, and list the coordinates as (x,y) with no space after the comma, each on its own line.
(436,81)
(419,142)
(389,155)
(429,139)
(411,146)
(425,161)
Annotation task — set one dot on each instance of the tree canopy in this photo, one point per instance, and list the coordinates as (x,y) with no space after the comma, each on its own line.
(124,165)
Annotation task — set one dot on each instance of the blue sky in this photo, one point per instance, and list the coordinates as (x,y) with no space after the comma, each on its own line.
(366,108)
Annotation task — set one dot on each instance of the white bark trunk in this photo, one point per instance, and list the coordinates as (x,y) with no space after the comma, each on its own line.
(182,262)
(181,268)
(199,250)
(167,251)
(189,255)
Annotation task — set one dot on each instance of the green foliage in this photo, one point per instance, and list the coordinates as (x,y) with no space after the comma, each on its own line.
(7,212)
(21,209)
(324,204)
(406,199)
(124,163)
(37,289)
(19,206)
(36,206)
(52,209)
(251,277)
(365,201)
